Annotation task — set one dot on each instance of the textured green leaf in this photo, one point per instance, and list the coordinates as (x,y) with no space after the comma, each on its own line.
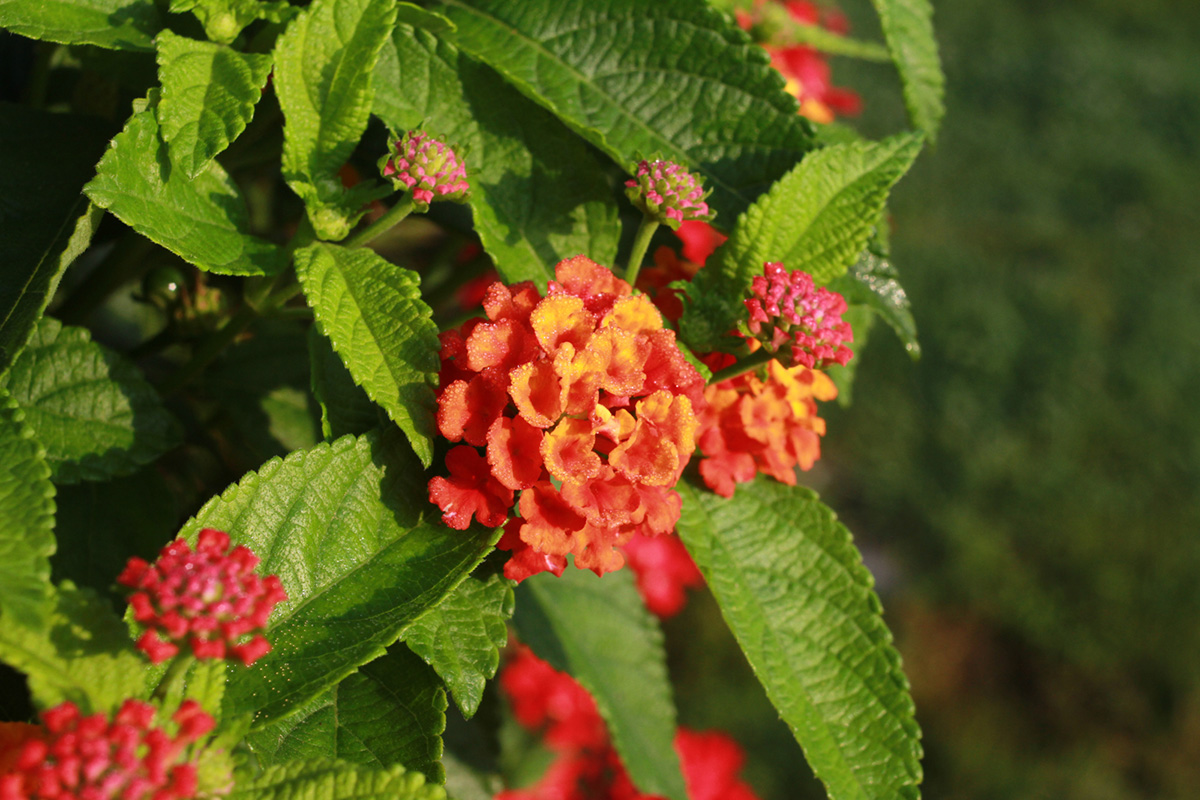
(795,593)
(345,407)
(817,218)
(392,711)
(202,220)
(100,525)
(461,637)
(537,193)
(326,779)
(323,71)
(599,630)
(908,28)
(223,20)
(208,96)
(673,77)
(372,312)
(26,520)
(89,406)
(85,656)
(873,282)
(343,525)
(44,161)
(115,24)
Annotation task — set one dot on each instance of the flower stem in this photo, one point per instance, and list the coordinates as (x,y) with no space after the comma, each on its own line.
(641,243)
(750,362)
(402,209)
(175,671)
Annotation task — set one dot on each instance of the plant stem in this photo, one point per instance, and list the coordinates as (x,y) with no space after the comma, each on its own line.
(641,243)
(402,209)
(750,362)
(175,670)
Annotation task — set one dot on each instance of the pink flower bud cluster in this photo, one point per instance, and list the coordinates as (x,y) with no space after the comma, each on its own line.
(429,168)
(210,598)
(668,192)
(788,308)
(92,758)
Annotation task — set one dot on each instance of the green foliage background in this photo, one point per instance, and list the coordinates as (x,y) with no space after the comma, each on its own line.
(1027,492)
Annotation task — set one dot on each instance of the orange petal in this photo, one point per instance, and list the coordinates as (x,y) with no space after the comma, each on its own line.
(467,410)
(635,314)
(621,358)
(551,524)
(568,450)
(608,499)
(561,319)
(514,452)
(537,392)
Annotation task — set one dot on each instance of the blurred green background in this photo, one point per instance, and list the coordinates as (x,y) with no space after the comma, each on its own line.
(1026,492)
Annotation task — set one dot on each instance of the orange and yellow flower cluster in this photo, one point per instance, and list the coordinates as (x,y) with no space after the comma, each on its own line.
(750,425)
(584,406)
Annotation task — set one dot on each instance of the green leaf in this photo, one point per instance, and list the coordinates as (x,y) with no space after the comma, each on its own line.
(44,161)
(208,96)
(326,779)
(392,711)
(223,20)
(599,631)
(323,69)
(683,82)
(537,192)
(372,311)
(345,407)
(817,219)
(835,43)
(89,406)
(795,593)
(100,525)
(344,527)
(26,520)
(418,17)
(873,282)
(114,24)
(461,637)
(202,220)
(908,29)
(85,656)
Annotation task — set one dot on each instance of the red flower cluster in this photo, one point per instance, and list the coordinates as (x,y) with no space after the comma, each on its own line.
(212,599)
(750,425)
(584,404)
(804,68)
(92,758)
(663,570)
(788,309)
(588,767)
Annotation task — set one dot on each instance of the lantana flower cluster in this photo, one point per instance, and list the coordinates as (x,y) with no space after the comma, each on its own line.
(768,424)
(586,765)
(585,407)
(787,309)
(94,758)
(210,598)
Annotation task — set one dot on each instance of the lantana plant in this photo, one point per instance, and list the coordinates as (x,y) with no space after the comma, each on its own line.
(438,350)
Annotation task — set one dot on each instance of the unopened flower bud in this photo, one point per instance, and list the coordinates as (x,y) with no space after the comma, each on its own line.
(428,167)
(668,193)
